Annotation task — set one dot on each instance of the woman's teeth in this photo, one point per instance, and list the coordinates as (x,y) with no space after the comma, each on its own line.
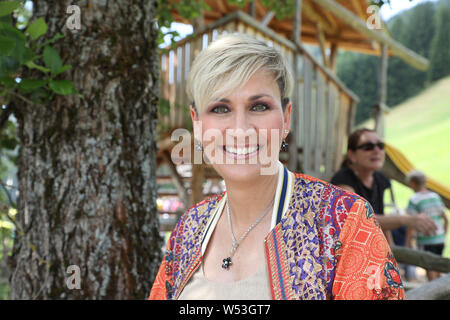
(241,151)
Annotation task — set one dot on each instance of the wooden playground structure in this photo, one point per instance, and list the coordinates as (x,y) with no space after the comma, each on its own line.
(323,107)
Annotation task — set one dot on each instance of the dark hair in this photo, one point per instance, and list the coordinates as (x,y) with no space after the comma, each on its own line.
(352,143)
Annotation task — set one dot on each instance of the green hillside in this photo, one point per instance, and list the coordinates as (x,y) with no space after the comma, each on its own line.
(420,128)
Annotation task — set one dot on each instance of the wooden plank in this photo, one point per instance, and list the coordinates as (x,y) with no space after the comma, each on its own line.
(178,90)
(295,98)
(341,129)
(438,289)
(250,31)
(268,17)
(165,87)
(296,30)
(184,99)
(241,27)
(333,57)
(172,86)
(312,121)
(312,15)
(306,123)
(319,163)
(322,45)
(300,116)
(331,131)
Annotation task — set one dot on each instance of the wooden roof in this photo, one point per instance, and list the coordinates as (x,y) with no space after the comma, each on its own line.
(314,17)
(331,23)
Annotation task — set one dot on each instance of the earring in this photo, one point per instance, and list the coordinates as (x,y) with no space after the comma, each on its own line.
(198,146)
(284,145)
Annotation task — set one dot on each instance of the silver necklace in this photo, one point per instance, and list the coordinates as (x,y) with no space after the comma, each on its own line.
(227,261)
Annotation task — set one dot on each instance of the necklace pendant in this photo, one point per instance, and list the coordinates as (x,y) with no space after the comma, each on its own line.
(226,263)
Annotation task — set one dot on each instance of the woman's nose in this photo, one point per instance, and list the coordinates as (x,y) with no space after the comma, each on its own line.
(241,126)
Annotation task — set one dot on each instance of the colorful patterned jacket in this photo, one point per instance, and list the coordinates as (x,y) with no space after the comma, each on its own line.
(324,243)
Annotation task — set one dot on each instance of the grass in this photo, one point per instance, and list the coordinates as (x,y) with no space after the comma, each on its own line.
(420,129)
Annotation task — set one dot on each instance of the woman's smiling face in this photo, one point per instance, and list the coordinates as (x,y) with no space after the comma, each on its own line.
(242,132)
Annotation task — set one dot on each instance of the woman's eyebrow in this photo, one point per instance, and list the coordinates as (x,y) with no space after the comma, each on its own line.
(256,97)
(252,98)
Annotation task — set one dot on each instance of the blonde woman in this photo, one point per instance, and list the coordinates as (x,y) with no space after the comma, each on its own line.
(273,234)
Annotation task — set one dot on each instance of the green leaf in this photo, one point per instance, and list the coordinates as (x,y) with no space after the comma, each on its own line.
(63,68)
(6,45)
(6,7)
(37,28)
(28,85)
(50,41)
(63,87)
(8,82)
(11,32)
(32,65)
(8,66)
(52,59)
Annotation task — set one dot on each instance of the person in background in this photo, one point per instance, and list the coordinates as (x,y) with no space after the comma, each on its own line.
(424,201)
(360,174)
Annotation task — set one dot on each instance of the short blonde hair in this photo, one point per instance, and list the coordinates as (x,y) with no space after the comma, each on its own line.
(228,63)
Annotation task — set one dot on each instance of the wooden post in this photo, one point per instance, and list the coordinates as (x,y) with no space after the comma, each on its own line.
(382,90)
(297,21)
(293,146)
(438,289)
(333,57)
(269,16)
(253,9)
(320,34)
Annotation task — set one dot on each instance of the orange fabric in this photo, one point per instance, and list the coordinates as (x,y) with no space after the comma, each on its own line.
(366,269)
(158,291)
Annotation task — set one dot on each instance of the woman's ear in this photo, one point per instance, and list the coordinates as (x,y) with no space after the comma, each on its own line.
(196,124)
(287,119)
(193,112)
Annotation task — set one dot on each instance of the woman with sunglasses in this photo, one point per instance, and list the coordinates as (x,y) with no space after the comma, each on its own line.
(360,174)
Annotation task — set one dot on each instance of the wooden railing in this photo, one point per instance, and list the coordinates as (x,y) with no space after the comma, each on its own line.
(324,107)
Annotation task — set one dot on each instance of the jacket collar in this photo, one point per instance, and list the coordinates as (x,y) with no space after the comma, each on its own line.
(282,196)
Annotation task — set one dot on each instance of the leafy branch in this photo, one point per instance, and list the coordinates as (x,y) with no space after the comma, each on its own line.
(21,50)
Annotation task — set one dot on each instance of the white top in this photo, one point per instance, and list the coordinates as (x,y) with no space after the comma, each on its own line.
(254,287)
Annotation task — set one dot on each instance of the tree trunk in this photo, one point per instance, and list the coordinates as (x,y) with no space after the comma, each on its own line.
(87,166)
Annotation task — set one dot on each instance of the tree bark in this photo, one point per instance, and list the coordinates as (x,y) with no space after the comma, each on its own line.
(87,166)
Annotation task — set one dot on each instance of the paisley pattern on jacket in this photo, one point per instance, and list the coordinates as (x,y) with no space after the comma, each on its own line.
(324,244)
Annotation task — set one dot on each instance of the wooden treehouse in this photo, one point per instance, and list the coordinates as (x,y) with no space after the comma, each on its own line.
(323,107)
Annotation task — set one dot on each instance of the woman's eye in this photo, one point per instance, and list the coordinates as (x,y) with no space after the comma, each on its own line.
(260,107)
(220,109)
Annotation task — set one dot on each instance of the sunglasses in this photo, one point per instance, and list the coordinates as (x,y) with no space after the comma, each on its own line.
(370,146)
